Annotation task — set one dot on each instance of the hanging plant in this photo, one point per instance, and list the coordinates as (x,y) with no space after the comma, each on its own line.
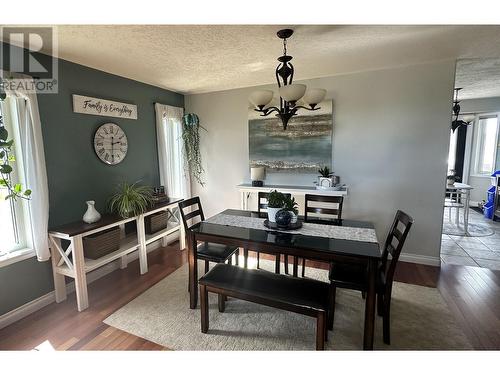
(191,136)
(6,158)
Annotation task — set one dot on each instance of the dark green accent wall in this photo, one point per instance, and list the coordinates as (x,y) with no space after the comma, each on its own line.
(75,174)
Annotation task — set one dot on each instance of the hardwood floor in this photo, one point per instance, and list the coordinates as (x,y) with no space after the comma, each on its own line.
(472,294)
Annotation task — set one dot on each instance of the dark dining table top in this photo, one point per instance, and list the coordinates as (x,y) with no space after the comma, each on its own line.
(291,240)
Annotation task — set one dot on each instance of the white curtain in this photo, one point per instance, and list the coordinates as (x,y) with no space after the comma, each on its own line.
(173,172)
(35,174)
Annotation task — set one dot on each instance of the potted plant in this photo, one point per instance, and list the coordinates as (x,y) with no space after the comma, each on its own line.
(11,190)
(325,178)
(131,199)
(275,202)
(191,136)
(292,207)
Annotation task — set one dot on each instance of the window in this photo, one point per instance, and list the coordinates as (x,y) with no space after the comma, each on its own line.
(486,145)
(452,152)
(12,213)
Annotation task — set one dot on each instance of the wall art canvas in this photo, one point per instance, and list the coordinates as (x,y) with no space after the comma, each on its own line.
(305,146)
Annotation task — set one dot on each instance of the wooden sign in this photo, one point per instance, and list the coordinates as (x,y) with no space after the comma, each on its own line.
(101,107)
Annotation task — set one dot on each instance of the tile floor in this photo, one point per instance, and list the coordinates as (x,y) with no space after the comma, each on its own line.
(473,251)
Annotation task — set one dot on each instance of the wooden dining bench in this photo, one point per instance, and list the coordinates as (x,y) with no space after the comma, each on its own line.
(303,296)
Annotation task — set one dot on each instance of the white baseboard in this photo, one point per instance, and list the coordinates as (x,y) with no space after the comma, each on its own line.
(420,259)
(39,303)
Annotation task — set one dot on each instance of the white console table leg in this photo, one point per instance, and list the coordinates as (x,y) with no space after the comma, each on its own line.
(141,237)
(59,282)
(242,200)
(82,297)
(123,262)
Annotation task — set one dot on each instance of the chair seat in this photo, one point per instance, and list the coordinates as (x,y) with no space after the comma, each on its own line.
(263,285)
(353,276)
(214,252)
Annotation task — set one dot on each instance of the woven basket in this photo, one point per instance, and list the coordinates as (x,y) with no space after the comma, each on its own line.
(102,243)
(156,222)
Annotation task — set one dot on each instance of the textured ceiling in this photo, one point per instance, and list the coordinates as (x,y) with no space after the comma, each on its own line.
(479,78)
(195,59)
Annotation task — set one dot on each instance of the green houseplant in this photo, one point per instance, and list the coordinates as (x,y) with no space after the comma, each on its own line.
(324,172)
(131,199)
(292,206)
(191,137)
(325,178)
(275,202)
(6,158)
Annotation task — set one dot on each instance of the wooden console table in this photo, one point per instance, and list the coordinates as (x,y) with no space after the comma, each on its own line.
(72,263)
(247,189)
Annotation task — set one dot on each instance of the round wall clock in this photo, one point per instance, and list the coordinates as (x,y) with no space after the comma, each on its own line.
(110,143)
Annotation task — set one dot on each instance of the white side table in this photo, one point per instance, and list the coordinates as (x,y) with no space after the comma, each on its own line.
(461,192)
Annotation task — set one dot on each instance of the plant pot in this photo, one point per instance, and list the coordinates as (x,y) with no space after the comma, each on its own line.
(271,213)
(325,181)
(294,217)
(450,181)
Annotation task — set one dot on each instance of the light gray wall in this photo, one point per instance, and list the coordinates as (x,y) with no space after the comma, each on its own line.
(391,136)
(482,105)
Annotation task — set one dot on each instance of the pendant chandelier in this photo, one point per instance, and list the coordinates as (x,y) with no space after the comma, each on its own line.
(466,119)
(290,93)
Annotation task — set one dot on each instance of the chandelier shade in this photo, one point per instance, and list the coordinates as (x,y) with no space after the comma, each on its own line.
(261,98)
(468,118)
(314,96)
(289,92)
(292,93)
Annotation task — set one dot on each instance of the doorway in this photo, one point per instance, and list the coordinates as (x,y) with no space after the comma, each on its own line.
(471,238)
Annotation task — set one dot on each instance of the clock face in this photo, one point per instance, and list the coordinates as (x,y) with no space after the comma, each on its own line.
(110,143)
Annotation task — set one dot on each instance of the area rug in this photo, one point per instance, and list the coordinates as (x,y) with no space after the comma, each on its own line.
(420,320)
(475,230)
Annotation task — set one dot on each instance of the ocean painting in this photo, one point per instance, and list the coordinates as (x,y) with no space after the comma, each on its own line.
(305,146)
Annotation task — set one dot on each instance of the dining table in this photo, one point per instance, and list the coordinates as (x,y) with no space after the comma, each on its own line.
(345,241)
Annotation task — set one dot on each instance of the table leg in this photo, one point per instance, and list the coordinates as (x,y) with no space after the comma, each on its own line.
(466,212)
(193,270)
(82,297)
(59,282)
(141,238)
(370,306)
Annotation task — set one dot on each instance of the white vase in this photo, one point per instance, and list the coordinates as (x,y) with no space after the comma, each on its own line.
(294,217)
(91,215)
(271,213)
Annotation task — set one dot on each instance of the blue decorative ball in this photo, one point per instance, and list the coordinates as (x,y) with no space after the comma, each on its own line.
(283,218)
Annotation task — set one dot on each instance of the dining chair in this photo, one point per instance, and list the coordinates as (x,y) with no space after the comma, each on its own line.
(207,251)
(320,209)
(262,207)
(354,276)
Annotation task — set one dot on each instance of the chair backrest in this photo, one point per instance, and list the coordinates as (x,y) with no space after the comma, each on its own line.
(323,214)
(262,200)
(194,213)
(394,244)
